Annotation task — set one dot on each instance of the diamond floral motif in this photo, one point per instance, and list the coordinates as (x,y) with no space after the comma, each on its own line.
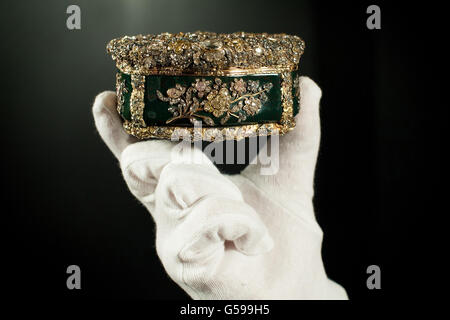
(237,99)
(252,106)
(217,103)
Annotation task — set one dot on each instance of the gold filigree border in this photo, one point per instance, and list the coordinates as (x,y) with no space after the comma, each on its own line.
(287,117)
(168,71)
(137,103)
(140,130)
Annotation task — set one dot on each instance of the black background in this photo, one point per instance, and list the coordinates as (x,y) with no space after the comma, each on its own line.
(63,193)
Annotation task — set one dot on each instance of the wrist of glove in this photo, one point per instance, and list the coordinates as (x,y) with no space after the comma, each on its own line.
(247,236)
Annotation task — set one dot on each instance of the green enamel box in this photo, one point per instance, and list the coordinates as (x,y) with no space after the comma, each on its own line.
(207,86)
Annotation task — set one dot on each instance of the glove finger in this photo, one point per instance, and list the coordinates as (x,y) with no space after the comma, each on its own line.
(143,162)
(299,148)
(204,208)
(109,124)
(218,234)
(306,134)
(216,221)
(296,151)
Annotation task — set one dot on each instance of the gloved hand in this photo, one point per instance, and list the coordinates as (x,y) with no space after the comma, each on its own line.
(247,236)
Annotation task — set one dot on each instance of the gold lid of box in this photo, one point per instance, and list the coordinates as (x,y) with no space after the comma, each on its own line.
(206,53)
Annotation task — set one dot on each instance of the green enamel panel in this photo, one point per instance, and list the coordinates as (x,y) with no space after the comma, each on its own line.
(156,111)
(125,108)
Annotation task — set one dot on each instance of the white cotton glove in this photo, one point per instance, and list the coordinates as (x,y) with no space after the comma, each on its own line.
(247,236)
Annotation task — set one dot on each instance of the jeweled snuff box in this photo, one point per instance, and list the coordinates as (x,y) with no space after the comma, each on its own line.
(206,85)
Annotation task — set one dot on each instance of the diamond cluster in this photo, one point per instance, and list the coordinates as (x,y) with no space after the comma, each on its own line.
(206,53)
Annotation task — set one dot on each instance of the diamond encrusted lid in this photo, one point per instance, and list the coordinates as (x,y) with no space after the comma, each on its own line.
(206,53)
